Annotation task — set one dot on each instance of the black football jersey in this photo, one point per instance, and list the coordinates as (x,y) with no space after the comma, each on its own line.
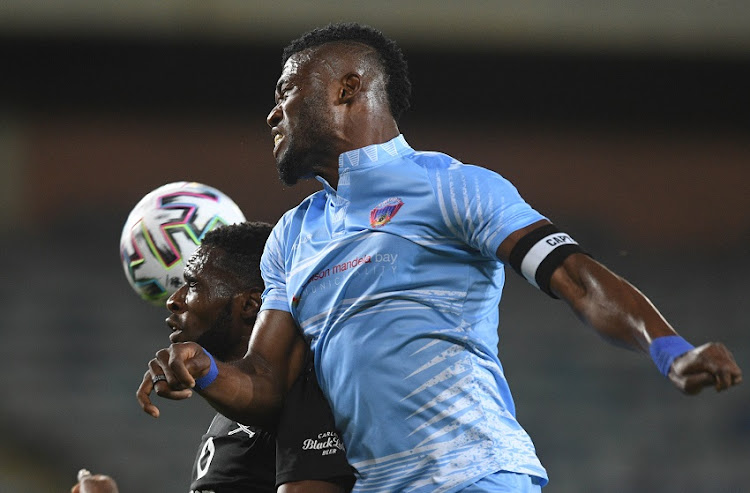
(235,458)
(308,445)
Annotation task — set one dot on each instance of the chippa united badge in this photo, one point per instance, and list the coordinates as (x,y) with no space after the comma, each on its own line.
(385,211)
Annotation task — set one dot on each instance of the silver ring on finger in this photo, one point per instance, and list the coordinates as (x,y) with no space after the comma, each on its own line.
(158,378)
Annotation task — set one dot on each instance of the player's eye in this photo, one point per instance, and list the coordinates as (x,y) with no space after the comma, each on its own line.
(283,93)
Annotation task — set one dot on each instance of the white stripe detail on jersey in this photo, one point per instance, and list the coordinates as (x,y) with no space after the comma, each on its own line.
(446,394)
(371,152)
(443,207)
(380,472)
(468,218)
(491,233)
(390,148)
(469,413)
(433,240)
(478,215)
(425,347)
(443,300)
(448,353)
(454,203)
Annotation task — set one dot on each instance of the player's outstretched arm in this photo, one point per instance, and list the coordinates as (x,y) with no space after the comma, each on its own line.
(624,316)
(249,391)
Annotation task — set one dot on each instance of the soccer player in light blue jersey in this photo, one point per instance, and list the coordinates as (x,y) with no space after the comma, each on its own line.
(392,274)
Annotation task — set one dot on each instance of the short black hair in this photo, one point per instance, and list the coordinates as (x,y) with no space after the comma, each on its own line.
(243,246)
(397,85)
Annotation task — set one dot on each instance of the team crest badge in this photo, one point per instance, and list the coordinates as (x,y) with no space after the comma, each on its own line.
(384,212)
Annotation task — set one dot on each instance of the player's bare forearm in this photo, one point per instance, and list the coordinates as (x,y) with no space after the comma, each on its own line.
(172,374)
(246,392)
(609,304)
(250,390)
(623,315)
(614,308)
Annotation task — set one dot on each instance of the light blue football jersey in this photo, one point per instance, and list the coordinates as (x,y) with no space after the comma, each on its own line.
(394,281)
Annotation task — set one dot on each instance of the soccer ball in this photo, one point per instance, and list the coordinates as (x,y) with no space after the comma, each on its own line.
(164,229)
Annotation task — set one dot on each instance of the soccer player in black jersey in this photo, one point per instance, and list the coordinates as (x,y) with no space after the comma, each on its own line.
(216,307)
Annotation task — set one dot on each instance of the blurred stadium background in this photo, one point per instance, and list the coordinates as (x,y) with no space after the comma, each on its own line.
(628,123)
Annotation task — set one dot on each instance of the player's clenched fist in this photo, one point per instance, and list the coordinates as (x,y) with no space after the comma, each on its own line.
(172,374)
(708,365)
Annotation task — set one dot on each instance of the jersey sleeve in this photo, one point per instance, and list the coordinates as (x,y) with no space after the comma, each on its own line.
(273,271)
(481,207)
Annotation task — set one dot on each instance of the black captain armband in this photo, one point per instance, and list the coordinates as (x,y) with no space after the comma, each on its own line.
(540,252)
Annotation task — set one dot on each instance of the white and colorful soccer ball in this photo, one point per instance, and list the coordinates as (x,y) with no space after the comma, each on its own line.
(164,229)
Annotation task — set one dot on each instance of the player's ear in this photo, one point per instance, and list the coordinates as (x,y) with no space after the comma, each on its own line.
(249,304)
(351,84)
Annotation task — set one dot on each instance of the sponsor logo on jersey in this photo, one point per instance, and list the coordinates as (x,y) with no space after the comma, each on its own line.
(327,443)
(384,212)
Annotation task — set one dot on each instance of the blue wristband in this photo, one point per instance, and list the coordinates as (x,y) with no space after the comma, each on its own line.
(207,379)
(665,349)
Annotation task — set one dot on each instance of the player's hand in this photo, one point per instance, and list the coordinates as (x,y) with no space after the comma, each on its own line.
(94,483)
(172,373)
(708,365)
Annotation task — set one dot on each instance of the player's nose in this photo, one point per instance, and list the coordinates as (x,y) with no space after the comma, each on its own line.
(175,302)
(274,117)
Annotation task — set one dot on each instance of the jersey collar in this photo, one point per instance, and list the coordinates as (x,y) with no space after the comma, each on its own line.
(363,158)
(375,153)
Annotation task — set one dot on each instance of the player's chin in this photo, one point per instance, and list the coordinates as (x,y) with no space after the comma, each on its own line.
(291,168)
(287,177)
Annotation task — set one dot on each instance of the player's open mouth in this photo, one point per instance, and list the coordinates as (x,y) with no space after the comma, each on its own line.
(276,139)
(176,330)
